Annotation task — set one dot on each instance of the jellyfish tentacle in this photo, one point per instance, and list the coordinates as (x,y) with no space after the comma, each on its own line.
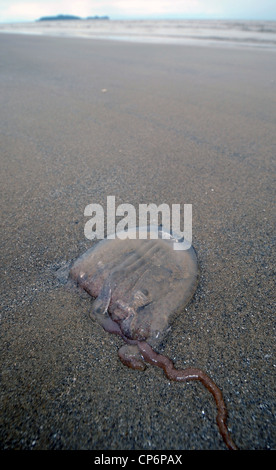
(184,375)
(102,302)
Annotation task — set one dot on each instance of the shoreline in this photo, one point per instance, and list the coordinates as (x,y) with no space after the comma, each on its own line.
(205,33)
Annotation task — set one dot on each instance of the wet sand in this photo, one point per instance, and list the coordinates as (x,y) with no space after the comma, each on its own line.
(174,124)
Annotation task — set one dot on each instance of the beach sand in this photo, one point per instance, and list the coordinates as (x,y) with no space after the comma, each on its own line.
(84,119)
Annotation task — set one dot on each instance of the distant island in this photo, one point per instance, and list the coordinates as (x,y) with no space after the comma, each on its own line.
(59,17)
(97,18)
(71,17)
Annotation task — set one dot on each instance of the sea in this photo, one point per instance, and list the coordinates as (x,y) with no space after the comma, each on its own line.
(253,34)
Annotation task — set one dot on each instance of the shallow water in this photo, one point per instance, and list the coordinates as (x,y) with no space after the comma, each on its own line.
(261,34)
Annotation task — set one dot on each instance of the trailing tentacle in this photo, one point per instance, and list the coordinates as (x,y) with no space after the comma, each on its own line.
(184,375)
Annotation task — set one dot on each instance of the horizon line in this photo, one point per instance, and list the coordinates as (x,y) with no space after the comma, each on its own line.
(147,18)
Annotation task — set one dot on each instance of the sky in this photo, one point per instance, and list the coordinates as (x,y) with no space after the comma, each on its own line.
(22,10)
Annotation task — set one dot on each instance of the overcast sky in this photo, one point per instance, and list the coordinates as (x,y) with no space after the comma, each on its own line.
(22,10)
